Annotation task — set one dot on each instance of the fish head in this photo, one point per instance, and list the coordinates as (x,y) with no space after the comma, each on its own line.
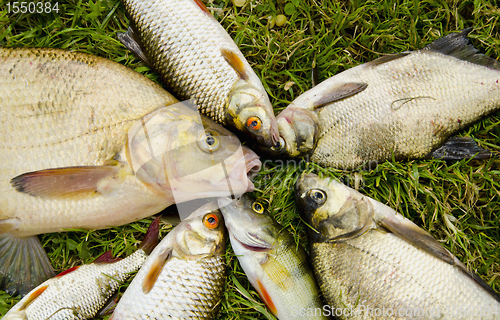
(249,223)
(334,210)
(249,110)
(202,235)
(298,132)
(185,156)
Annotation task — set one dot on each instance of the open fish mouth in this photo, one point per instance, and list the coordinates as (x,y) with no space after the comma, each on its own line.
(249,165)
(252,162)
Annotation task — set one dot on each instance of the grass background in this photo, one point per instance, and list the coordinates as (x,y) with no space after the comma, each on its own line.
(458,203)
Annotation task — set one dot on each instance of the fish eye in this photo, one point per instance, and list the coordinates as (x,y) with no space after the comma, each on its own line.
(211,221)
(280,145)
(257,207)
(254,123)
(317,196)
(208,142)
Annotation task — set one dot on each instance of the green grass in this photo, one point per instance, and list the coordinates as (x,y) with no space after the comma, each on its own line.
(458,203)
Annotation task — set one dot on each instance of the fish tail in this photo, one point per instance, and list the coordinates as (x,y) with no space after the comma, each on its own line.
(24,264)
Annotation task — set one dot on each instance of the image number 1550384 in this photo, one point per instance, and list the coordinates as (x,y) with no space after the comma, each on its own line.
(32,7)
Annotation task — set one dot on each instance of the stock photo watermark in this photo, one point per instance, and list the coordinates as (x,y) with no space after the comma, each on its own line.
(404,312)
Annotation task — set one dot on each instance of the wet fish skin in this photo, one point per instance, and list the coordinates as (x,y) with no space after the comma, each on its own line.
(277,268)
(366,255)
(184,276)
(80,292)
(197,59)
(70,160)
(405,104)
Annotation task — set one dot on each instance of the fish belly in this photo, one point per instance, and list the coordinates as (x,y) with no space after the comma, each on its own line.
(183,43)
(64,109)
(379,276)
(185,289)
(411,105)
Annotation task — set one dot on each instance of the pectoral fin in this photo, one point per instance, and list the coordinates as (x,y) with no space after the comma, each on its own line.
(278,273)
(155,270)
(235,62)
(418,237)
(62,182)
(337,92)
(131,42)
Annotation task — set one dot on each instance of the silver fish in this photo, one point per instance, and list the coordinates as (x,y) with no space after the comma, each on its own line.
(197,59)
(372,263)
(276,267)
(404,105)
(87,143)
(184,276)
(80,292)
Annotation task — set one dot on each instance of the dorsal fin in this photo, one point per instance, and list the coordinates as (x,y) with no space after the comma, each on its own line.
(235,62)
(151,238)
(457,45)
(106,257)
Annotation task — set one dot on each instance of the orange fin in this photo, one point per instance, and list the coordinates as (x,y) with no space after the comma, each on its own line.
(62,182)
(155,270)
(65,272)
(202,6)
(235,62)
(33,296)
(267,298)
(151,238)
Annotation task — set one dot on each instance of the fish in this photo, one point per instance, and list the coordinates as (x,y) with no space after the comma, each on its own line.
(184,276)
(88,143)
(275,265)
(81,291)
(197,59)
(371,262)
(403,105)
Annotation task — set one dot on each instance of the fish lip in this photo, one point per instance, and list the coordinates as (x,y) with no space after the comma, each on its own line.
(252,162)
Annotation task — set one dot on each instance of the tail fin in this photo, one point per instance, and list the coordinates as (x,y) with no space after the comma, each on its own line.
(151,238)
(23,264)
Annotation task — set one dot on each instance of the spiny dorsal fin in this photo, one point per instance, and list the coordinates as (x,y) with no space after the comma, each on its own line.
(235,62)
(61,182)
(457,45)
(418,237)
(155,270)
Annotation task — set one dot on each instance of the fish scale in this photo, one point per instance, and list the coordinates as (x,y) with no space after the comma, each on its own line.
(184,276)
(372,263)
(200,74)
(70,296)
(197,59)
(186,289)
